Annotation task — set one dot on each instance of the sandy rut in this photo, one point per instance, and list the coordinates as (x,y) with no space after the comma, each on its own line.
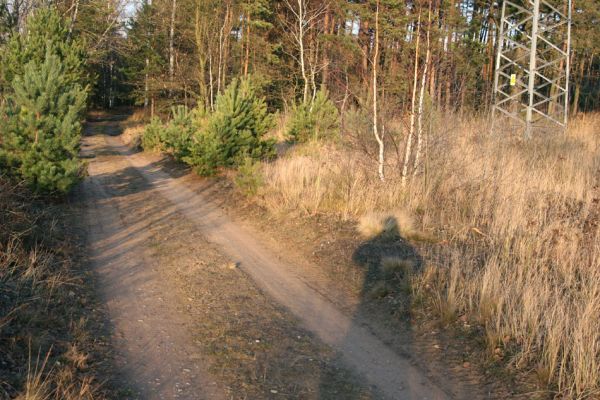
(156,352)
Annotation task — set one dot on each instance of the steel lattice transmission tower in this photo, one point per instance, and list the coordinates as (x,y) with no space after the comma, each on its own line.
(531,84)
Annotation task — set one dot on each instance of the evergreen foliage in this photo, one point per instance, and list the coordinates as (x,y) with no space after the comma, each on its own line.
(249,177)
(46,30)
(43,140)
(177,134)
(229,137)
(174,137)
(151,139)
(234,131)
(44,106)
(314,120)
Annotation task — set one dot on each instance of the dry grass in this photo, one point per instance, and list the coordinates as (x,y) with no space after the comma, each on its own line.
(392,265)
(375,224)
(41,296)
(519,223)
(133,128)
(132,135)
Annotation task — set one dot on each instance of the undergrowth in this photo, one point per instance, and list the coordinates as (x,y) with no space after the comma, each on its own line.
(508,230)
(44,338)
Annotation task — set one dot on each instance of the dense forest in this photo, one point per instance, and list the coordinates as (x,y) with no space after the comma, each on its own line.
(187,51)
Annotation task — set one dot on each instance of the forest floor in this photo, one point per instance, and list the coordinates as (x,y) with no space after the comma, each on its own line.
(209,298)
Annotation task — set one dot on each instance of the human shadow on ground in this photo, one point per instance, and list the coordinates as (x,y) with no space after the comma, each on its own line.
(387,262)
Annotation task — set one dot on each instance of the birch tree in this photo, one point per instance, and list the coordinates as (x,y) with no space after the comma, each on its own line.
(305,18)
(379,137)
(420,135)
(411,133)
(172,42)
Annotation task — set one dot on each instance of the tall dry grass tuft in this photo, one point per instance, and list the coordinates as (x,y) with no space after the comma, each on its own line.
(520,221)
(37,386)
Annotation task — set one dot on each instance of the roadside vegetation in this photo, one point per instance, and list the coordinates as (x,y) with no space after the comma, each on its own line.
(508,231)
(369,112)
(45,99)
(225,138)
(48,330)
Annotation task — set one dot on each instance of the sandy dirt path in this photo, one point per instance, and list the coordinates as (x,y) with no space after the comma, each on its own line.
(154,334)
(154,351)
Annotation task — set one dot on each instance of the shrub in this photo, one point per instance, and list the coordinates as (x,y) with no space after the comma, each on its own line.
(42,72)
(176,136)
(151,138)
(249,177)
(205,154)
(236,130)
(46,30)
(315,120)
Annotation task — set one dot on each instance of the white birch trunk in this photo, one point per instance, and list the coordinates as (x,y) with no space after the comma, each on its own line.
(420,134)
(146,86)
(301,33)
(172,42)
(211,82)
(378,137)
(411,133)
(74,18)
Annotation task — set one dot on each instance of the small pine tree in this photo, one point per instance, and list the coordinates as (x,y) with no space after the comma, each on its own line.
(176,136)
(151,139)
(43,139)
(315,120)
(235,131)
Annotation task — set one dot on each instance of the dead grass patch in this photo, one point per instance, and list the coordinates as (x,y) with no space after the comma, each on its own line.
(44,345)
(517,226)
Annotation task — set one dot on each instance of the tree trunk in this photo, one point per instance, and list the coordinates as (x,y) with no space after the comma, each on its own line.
(220,58)
(226,41)
(378,136)
(172,44)
(211,82)
(201,50)
(577,94)
(411,133)
(146,86)
(74,18)
(420,138)
(365,57)
(247,57)
(301,34)
(328,25)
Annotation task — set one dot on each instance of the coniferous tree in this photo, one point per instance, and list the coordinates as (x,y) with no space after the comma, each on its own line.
(43,141)
(46,29)
(45,104)
(234,131)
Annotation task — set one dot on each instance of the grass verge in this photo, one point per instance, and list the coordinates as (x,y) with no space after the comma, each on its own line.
(507,230)
(47,313)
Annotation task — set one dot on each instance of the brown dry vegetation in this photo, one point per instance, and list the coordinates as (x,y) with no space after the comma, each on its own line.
(513,226)
(44,336)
